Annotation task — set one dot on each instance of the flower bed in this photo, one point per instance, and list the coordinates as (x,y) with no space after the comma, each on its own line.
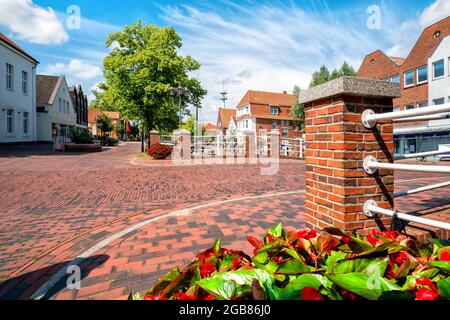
(73,147)
(304,265)
(159,151)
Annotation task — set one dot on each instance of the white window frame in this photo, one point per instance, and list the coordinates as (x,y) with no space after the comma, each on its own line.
(276,124)
(274,108)
(434,101)
(434,69)
(424,103)
(8,117)
(26,123)
(417,74)
(24,83)
(410,105)
(397,76)
(287,132)
(404,79)
(9,76)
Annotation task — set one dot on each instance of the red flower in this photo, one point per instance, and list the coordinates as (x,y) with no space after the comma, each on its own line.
(311,294)
(374,241)
(347,295)
(445,256)
(210,297)
(184,296)
(270,238)
(390,273)
(346,239)
(425,282)
(206,269)
(155,298)
(399,257)
(426,294)
(236,263)
(306,234)
(278,260)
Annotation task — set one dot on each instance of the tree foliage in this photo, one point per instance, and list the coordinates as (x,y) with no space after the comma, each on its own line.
(324,75)
(143,65)
(298,109)
(104,123)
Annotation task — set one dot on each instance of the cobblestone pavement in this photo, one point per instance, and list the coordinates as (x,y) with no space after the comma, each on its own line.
(57,206)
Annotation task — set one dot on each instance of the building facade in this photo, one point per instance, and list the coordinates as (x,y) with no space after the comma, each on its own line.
(56,116)
(17,93)
(93,114)
(226,122)
(423,77)
(266,111)
(80,103)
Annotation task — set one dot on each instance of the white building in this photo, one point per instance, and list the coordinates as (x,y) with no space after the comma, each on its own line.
(17,93)
(56,116)
(439,74)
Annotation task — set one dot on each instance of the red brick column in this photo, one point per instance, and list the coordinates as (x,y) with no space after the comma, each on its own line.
(154,137)
(337,143)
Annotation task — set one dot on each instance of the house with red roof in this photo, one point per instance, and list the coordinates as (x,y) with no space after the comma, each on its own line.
(226,121)
(17,93)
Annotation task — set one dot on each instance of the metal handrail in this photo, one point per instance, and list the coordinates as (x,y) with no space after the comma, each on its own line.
(371,208)
(423,118)
(371,166)
(421,189)
(370,118)
(421,154)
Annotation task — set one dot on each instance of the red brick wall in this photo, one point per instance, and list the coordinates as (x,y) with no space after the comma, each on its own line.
(266,124)
(337,143)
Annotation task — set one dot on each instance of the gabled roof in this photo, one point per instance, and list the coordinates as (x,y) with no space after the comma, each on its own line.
(46,88)
(4,39)
(226,115)
(268,98)
(210,126)
(94,113)
(397,60)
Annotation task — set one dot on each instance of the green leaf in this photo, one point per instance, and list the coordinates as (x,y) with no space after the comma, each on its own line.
(396,295)
(443,265)
(272,245)
(276,231)
(444,287)
(218,286)
(294,267)
(217,245)
(368,286)
(361,265)
(163,282)
(258,292)
(293,290)
(135,296)
(261,258)
(294,254)
(326,243)
(334,258)
(440,243)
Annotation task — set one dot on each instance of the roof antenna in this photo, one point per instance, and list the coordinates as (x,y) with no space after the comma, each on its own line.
(224,94)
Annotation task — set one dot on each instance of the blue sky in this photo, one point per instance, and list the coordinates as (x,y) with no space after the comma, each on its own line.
(259,45)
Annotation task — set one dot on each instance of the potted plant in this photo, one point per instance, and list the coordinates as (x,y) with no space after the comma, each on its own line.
(159,151)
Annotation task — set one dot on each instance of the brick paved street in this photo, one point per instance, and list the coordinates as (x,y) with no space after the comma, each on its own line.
(56,206)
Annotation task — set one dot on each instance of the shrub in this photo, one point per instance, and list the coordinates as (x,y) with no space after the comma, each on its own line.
(111,142)
(159,151)
(82,137)
(305,265)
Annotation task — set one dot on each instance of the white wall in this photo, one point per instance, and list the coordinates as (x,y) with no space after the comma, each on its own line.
(15,99)
(67,118)
(440,88)
(43,125)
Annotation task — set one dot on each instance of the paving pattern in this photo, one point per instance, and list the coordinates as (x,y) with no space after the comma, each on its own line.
(58,206)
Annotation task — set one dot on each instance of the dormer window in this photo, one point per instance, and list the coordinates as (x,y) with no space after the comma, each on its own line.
(274,110)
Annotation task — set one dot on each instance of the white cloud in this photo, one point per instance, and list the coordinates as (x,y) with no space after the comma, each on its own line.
(76,69)
(29,22)
(435,12)
(271,49)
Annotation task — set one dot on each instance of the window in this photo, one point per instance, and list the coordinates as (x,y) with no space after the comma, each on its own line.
(284,132)
(274,110)
(285,122)
(422,74)
(395,78)
(409,107)
(60,105)
(24,82)
(396,108)
(439,101)
(409,78)
(438,69)
(274,125)
(10,121)
(9,76)
(422,104)
(67,107)
(25,123)
(385,79)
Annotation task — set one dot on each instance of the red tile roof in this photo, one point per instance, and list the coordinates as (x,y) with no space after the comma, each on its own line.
(10,43)
(226,115)
(268,98)
(94,113)
(210,126)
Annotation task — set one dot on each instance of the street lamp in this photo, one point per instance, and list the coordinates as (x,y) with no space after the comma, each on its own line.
(180,92)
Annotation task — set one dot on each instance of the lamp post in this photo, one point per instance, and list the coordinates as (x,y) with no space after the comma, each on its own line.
(180,92)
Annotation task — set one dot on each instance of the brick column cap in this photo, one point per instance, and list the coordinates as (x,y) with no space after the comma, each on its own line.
(182,132)
(352,86)
(154,132)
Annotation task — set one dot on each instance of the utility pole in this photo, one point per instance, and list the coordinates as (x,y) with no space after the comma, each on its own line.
(180,92)
(224,94)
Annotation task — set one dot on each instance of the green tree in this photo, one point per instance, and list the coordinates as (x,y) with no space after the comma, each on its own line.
(298,109)
(143,65)
(190,125)
(323,74)
(104,124)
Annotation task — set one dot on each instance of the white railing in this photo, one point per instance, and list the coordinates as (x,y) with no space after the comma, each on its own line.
(370,118)
(423,118)
(422,154)
(371,166)
(371,208)
(421,189)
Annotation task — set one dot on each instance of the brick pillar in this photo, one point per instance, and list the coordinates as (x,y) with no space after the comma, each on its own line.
(154,137)
(182,146)
(249,145)
(336,145)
